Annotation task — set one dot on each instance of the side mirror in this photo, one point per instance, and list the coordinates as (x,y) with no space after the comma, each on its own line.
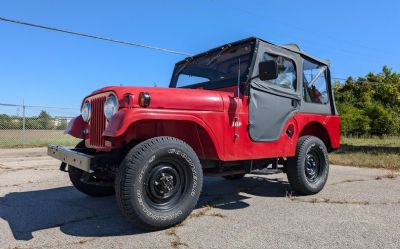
(268,70)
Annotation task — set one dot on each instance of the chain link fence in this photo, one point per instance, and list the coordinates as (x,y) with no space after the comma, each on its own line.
(35,126)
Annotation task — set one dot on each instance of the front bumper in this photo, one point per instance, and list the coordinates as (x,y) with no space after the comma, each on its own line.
(72,157)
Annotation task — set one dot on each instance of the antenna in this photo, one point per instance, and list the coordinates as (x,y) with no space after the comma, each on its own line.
(238,80)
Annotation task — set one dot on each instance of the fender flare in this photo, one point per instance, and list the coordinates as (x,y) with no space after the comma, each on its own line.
(125,118)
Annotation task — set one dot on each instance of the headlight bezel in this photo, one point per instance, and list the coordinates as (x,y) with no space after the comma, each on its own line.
(115,106)
(86,111)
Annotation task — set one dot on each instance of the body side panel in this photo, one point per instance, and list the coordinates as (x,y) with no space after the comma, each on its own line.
(239,146)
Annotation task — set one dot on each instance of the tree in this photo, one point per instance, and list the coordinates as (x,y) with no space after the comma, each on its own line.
(353,120)
(381,121)
(45,121)
(370,105)
(6,122)
(62,125)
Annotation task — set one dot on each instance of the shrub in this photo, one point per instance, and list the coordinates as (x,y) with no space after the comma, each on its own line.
(353,120)
(382,122)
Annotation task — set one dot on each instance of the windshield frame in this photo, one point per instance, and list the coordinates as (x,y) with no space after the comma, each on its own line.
(210,85)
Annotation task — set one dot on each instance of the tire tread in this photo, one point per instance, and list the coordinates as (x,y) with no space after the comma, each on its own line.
(128,170)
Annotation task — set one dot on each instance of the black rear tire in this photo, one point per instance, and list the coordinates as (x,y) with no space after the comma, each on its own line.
(159,183)
(308,170)
(75,175)
(234,177)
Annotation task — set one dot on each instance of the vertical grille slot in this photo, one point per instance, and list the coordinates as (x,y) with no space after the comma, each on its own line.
(97,122)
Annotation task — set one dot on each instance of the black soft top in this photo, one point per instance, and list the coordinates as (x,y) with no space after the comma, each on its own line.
(290,47)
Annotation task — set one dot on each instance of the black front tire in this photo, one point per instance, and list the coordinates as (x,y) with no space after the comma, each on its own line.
(307,172)
(75,175)
(159,183)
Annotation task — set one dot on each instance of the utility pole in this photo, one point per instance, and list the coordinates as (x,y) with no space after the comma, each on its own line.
(23,123)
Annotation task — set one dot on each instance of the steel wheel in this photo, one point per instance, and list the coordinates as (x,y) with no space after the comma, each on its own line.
(312,165)
(159,183)
(308,170)
(165,185)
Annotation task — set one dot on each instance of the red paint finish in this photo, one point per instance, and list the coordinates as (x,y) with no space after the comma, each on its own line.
(214,123)
(231,89)
(190,126)
(75,127)
(98,122)
(170,98)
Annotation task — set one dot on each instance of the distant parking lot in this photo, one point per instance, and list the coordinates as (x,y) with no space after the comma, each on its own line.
(359,208)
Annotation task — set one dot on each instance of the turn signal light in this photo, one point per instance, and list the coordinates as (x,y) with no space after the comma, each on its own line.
(144,99)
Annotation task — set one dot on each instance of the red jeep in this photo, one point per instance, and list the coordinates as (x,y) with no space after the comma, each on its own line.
(240,107)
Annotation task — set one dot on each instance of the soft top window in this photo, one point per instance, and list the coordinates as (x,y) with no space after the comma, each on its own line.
(286,71)
(315,83)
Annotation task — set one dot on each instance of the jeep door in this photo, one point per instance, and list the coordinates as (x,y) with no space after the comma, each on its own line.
(273,102)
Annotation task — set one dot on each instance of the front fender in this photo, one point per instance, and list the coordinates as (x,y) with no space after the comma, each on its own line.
(75,127)
(125,118)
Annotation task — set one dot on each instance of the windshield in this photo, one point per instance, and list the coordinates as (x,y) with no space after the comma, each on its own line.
(221,67)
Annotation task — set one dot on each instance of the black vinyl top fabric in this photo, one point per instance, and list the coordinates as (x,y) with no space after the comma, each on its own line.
(290,47)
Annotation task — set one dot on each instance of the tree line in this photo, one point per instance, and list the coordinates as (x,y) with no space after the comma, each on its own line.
(370,105)
(42,122)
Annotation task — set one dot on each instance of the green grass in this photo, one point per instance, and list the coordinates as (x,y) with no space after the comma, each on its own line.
(372,152)
(35,138)
(39,142)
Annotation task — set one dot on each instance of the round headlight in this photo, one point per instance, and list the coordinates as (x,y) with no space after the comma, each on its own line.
(85,111)
(110,107)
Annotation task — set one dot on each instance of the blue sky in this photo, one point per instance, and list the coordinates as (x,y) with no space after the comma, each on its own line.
(49,68)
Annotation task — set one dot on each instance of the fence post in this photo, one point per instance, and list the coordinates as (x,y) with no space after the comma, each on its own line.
(23,124)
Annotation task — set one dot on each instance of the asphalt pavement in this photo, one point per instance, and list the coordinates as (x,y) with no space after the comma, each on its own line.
(358,208)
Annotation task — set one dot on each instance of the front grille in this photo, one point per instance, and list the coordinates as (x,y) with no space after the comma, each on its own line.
(97,122)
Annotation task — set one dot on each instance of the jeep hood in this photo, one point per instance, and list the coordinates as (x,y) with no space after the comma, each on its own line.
(171,98)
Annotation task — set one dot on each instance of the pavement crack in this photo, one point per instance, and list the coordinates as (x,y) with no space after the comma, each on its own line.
(205,211)
(390,175)
(329,201)
(176,241)
(351,180)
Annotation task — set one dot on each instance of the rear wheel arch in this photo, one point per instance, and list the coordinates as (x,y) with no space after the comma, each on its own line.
(316,129)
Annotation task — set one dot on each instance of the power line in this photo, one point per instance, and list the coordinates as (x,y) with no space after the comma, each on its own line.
(38,106)
(94,36)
